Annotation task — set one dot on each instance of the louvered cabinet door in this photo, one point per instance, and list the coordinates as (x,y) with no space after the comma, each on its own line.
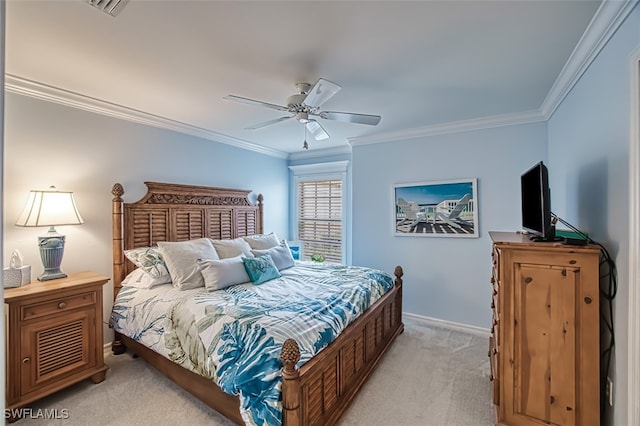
(56,348)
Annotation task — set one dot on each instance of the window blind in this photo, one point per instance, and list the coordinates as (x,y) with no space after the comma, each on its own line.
(320,218)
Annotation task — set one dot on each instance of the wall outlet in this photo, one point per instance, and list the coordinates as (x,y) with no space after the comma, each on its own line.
(609,391)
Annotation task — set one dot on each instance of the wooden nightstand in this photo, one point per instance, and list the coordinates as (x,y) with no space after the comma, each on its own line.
(54,336)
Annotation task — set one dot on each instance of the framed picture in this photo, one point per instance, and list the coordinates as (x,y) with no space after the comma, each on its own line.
(436,209)
(296,249)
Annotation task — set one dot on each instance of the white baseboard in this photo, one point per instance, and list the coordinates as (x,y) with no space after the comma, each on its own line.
(482,332)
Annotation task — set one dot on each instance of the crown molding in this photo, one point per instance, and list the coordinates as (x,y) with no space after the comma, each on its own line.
(607,19)
(45,92)
(451,127)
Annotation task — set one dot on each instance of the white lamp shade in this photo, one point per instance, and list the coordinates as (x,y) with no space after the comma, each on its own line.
(50,208)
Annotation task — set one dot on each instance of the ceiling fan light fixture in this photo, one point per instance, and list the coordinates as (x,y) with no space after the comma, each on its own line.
(316,130)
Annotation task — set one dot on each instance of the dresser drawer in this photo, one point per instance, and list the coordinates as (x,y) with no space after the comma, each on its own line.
(37,310)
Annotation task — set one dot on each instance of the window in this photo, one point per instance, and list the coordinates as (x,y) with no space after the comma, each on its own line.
(319,210)
(320,218)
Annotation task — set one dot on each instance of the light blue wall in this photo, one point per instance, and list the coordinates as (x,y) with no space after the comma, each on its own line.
(49,144)
(445,278)
(589,171)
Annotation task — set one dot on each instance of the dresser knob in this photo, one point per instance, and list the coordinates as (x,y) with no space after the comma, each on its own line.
(26,360)
(62,305)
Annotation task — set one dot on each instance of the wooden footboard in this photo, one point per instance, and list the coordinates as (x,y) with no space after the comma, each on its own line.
(320,392)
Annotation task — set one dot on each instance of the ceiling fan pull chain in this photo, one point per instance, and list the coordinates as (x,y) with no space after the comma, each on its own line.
(305,145)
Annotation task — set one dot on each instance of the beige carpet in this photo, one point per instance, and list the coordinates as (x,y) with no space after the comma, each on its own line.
(431,376)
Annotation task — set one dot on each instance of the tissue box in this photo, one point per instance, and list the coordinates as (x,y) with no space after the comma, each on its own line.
(16,277)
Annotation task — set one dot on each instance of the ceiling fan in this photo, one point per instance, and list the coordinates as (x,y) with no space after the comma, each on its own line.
(306,104)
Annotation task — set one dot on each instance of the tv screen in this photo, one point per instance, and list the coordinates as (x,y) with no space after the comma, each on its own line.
(536,203)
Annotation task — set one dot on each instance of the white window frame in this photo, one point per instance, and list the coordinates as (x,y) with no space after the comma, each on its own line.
(335,170)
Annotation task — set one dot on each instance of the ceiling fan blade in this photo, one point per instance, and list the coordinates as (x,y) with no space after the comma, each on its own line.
(254,102)
(268,123)
(321,92)
(316,130)
(349,117)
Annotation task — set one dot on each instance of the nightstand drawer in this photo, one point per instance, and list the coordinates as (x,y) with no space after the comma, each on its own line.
(37,310)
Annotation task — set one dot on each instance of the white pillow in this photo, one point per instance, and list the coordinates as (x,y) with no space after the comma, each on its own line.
(140,279)
(262,241)
(232,248)
(181,257)
(222,273)
(280,254)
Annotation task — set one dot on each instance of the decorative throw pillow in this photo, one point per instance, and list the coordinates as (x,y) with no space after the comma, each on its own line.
(260,269)
(150,260)
(223,273)
(181,257)
(281,255)
(262,241)
(232,248)
(140,279)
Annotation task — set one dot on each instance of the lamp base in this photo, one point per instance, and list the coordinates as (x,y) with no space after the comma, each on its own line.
(51,251)
(51,275)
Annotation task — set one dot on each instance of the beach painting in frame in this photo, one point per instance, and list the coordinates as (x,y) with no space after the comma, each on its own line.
(436,209)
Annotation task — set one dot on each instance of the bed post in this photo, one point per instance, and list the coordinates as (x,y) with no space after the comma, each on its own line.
(398,272)
(291,395)
(260,214)
(117,347)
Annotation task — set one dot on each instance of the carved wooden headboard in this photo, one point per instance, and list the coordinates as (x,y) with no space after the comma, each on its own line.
(173,212)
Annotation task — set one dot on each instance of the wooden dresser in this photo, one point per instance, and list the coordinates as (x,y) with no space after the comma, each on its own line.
(544,344)
(54,336)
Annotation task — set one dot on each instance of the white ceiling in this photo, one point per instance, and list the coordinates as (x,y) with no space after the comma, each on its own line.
(417,63)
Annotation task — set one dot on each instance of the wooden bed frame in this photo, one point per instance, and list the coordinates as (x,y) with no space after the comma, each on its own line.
(317,393)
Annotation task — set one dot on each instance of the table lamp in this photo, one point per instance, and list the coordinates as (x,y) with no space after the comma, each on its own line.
(50,208)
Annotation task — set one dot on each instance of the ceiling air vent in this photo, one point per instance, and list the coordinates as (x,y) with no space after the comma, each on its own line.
(112,7)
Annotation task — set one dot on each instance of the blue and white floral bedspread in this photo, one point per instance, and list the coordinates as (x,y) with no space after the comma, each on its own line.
(234,336)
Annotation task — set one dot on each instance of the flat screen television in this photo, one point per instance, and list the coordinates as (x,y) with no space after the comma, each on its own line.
(536,203)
